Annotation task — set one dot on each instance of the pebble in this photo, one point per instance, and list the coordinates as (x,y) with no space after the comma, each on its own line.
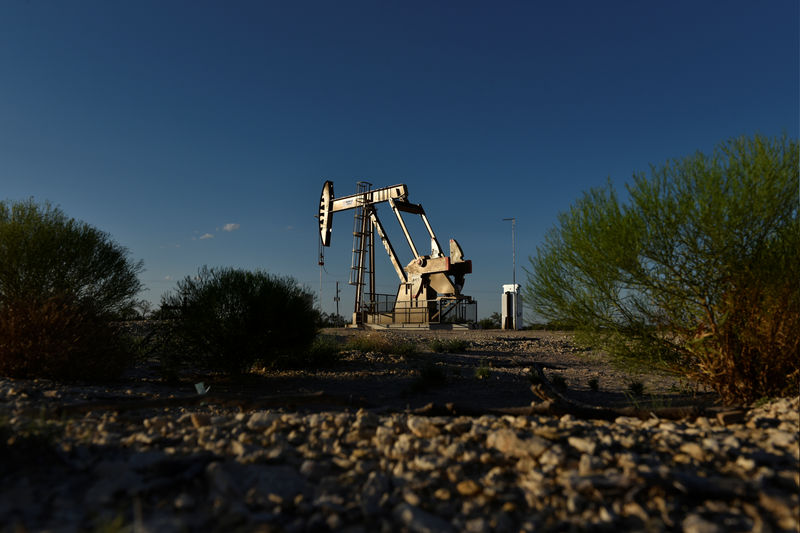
(213,468)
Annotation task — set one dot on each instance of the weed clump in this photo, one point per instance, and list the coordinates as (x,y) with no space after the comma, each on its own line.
(449,345)
(636,388)
(483,371)
(381,344)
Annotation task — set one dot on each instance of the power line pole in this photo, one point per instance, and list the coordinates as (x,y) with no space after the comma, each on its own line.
(336,298)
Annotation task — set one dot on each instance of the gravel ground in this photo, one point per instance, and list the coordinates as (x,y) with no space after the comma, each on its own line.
(366,463)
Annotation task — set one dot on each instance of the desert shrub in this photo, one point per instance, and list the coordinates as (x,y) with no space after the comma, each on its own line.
(157,342)
(62,282)
(324,352)
(59,338)
(43,254)
(375,342)
(448,345)
(754,349)
(227,319)
(594,384)
(696,273)
(330,320)
(492,322)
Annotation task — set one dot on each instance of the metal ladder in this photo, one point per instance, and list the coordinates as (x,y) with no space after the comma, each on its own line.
(360,266)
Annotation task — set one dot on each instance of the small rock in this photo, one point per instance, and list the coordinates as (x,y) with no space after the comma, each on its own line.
(507,442)
(262,420)
(477,525)
(582,444)
(745,463)
(410,497)
(422,427)
(694,523)
(200,420)
(184,501)
(441,494)
(468,488)
(693,450)
(781,439)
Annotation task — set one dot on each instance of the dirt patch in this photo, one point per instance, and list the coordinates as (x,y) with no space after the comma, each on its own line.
(494,371)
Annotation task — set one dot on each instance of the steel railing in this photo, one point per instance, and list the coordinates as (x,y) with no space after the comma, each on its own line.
(385,309)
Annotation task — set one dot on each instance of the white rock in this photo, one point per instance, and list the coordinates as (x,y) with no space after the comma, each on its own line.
(507,442)
(422,427)
(583,445)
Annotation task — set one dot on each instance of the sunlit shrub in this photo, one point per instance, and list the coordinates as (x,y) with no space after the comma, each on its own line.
(695,271)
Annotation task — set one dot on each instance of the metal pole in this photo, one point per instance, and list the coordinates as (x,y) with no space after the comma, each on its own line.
(336,298)
(515,297)
(513,251)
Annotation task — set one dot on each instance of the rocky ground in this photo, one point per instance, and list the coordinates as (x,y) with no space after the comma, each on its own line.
(144,455)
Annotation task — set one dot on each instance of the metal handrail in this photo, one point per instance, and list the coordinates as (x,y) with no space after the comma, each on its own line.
(443,310)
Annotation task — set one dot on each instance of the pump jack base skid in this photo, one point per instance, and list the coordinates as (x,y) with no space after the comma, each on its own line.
(425,327)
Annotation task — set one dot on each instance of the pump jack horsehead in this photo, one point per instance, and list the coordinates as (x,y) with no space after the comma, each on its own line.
(430,285)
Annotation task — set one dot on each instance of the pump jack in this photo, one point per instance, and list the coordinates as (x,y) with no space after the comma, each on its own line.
(430,285)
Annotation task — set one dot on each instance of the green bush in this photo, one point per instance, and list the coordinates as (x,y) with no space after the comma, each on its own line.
(45,254)
(228,319)
(696,273)
(449,345)
(492,322)
(62,282)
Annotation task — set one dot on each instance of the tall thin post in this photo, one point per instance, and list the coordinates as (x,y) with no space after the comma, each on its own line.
(513,251)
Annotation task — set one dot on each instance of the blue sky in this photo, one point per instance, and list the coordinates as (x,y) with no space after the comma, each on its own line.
(161,122)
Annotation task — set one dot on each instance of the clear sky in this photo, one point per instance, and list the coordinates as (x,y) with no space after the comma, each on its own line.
(200,133)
